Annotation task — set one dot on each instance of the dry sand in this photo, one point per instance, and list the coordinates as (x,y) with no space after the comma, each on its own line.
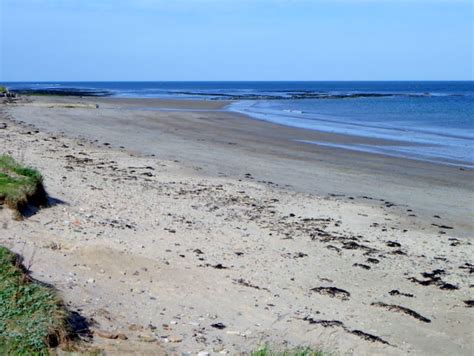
(233,235)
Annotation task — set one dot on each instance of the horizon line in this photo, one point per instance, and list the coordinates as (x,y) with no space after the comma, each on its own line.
(233,81)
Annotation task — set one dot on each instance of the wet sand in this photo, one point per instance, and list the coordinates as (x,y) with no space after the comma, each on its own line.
(208,231)
(223,143)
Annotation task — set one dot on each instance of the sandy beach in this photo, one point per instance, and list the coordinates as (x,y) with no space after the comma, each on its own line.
(177,226)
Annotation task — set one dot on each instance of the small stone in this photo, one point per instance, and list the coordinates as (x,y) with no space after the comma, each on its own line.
(91,281)
(147,338)
(219,326)
(122,337)
(175,339)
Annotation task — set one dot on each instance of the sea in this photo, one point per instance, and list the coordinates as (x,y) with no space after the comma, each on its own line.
(430,121)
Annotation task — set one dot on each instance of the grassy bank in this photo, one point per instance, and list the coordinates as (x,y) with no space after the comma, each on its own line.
(19,185)
(301,351)
(32,318)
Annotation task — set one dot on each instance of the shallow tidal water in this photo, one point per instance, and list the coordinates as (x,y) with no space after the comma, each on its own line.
(432,121)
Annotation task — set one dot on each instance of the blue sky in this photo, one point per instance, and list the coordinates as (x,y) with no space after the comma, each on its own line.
(61,40)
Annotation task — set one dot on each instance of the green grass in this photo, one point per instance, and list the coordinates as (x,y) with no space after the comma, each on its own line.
(3,90)
(300,351)
(20,185)
(32,317)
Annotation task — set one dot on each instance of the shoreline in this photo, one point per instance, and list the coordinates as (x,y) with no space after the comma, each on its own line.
(363,143)
(389,143)
(171,243)
(218,138)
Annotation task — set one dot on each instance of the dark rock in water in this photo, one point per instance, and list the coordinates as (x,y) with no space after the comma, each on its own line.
(63,92)
(294,95)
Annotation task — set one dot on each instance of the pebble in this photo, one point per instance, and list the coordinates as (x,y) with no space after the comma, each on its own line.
(147,338)
(175,339)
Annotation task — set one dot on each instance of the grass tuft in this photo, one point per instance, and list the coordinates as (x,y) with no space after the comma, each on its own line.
(20,186)
(299,351)
(32,317)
